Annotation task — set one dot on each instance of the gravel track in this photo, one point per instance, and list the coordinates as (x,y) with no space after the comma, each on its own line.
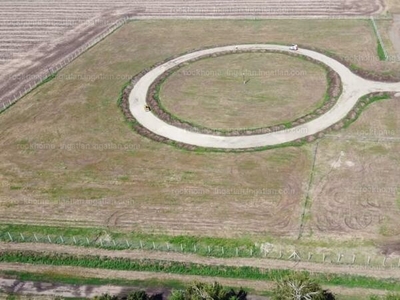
(354,87)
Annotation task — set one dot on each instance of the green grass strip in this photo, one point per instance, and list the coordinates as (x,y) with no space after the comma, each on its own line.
(381,52)
(76,280)
(93,233)
(250,273)
(244,244)
(366,100)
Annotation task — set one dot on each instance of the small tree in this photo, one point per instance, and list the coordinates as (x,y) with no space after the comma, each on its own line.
(206,291)
(300,287)
(105,297)
(392,297)
(138,295)
(142,295)
(177,295)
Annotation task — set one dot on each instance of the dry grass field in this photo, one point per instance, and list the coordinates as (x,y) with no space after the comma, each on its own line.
(36,35)
(67,157)
(356,193)
(393,6)
(211,92)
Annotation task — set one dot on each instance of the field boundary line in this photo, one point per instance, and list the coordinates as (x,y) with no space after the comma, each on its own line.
(379,37)
(280,255)
(157,256)
(52,70)
(307,200)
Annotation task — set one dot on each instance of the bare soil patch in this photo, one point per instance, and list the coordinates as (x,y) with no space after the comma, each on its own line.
(392,247)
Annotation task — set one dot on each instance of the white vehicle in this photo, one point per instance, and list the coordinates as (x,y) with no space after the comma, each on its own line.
(294,47)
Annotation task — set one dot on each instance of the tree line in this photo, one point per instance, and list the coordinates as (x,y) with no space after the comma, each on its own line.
(293,287)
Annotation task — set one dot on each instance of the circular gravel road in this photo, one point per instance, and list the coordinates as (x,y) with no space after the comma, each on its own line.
(354,87)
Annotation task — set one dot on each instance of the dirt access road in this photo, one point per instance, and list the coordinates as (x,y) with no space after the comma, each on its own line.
(354,87)
(66,290)
(89,291)
(179,257)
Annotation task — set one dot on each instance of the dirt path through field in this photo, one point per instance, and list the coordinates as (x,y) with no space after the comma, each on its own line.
(15,286)
(179,257)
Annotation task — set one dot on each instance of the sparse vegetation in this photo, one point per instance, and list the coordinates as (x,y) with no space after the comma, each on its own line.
(135,295)
(389,296)
(299,286)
